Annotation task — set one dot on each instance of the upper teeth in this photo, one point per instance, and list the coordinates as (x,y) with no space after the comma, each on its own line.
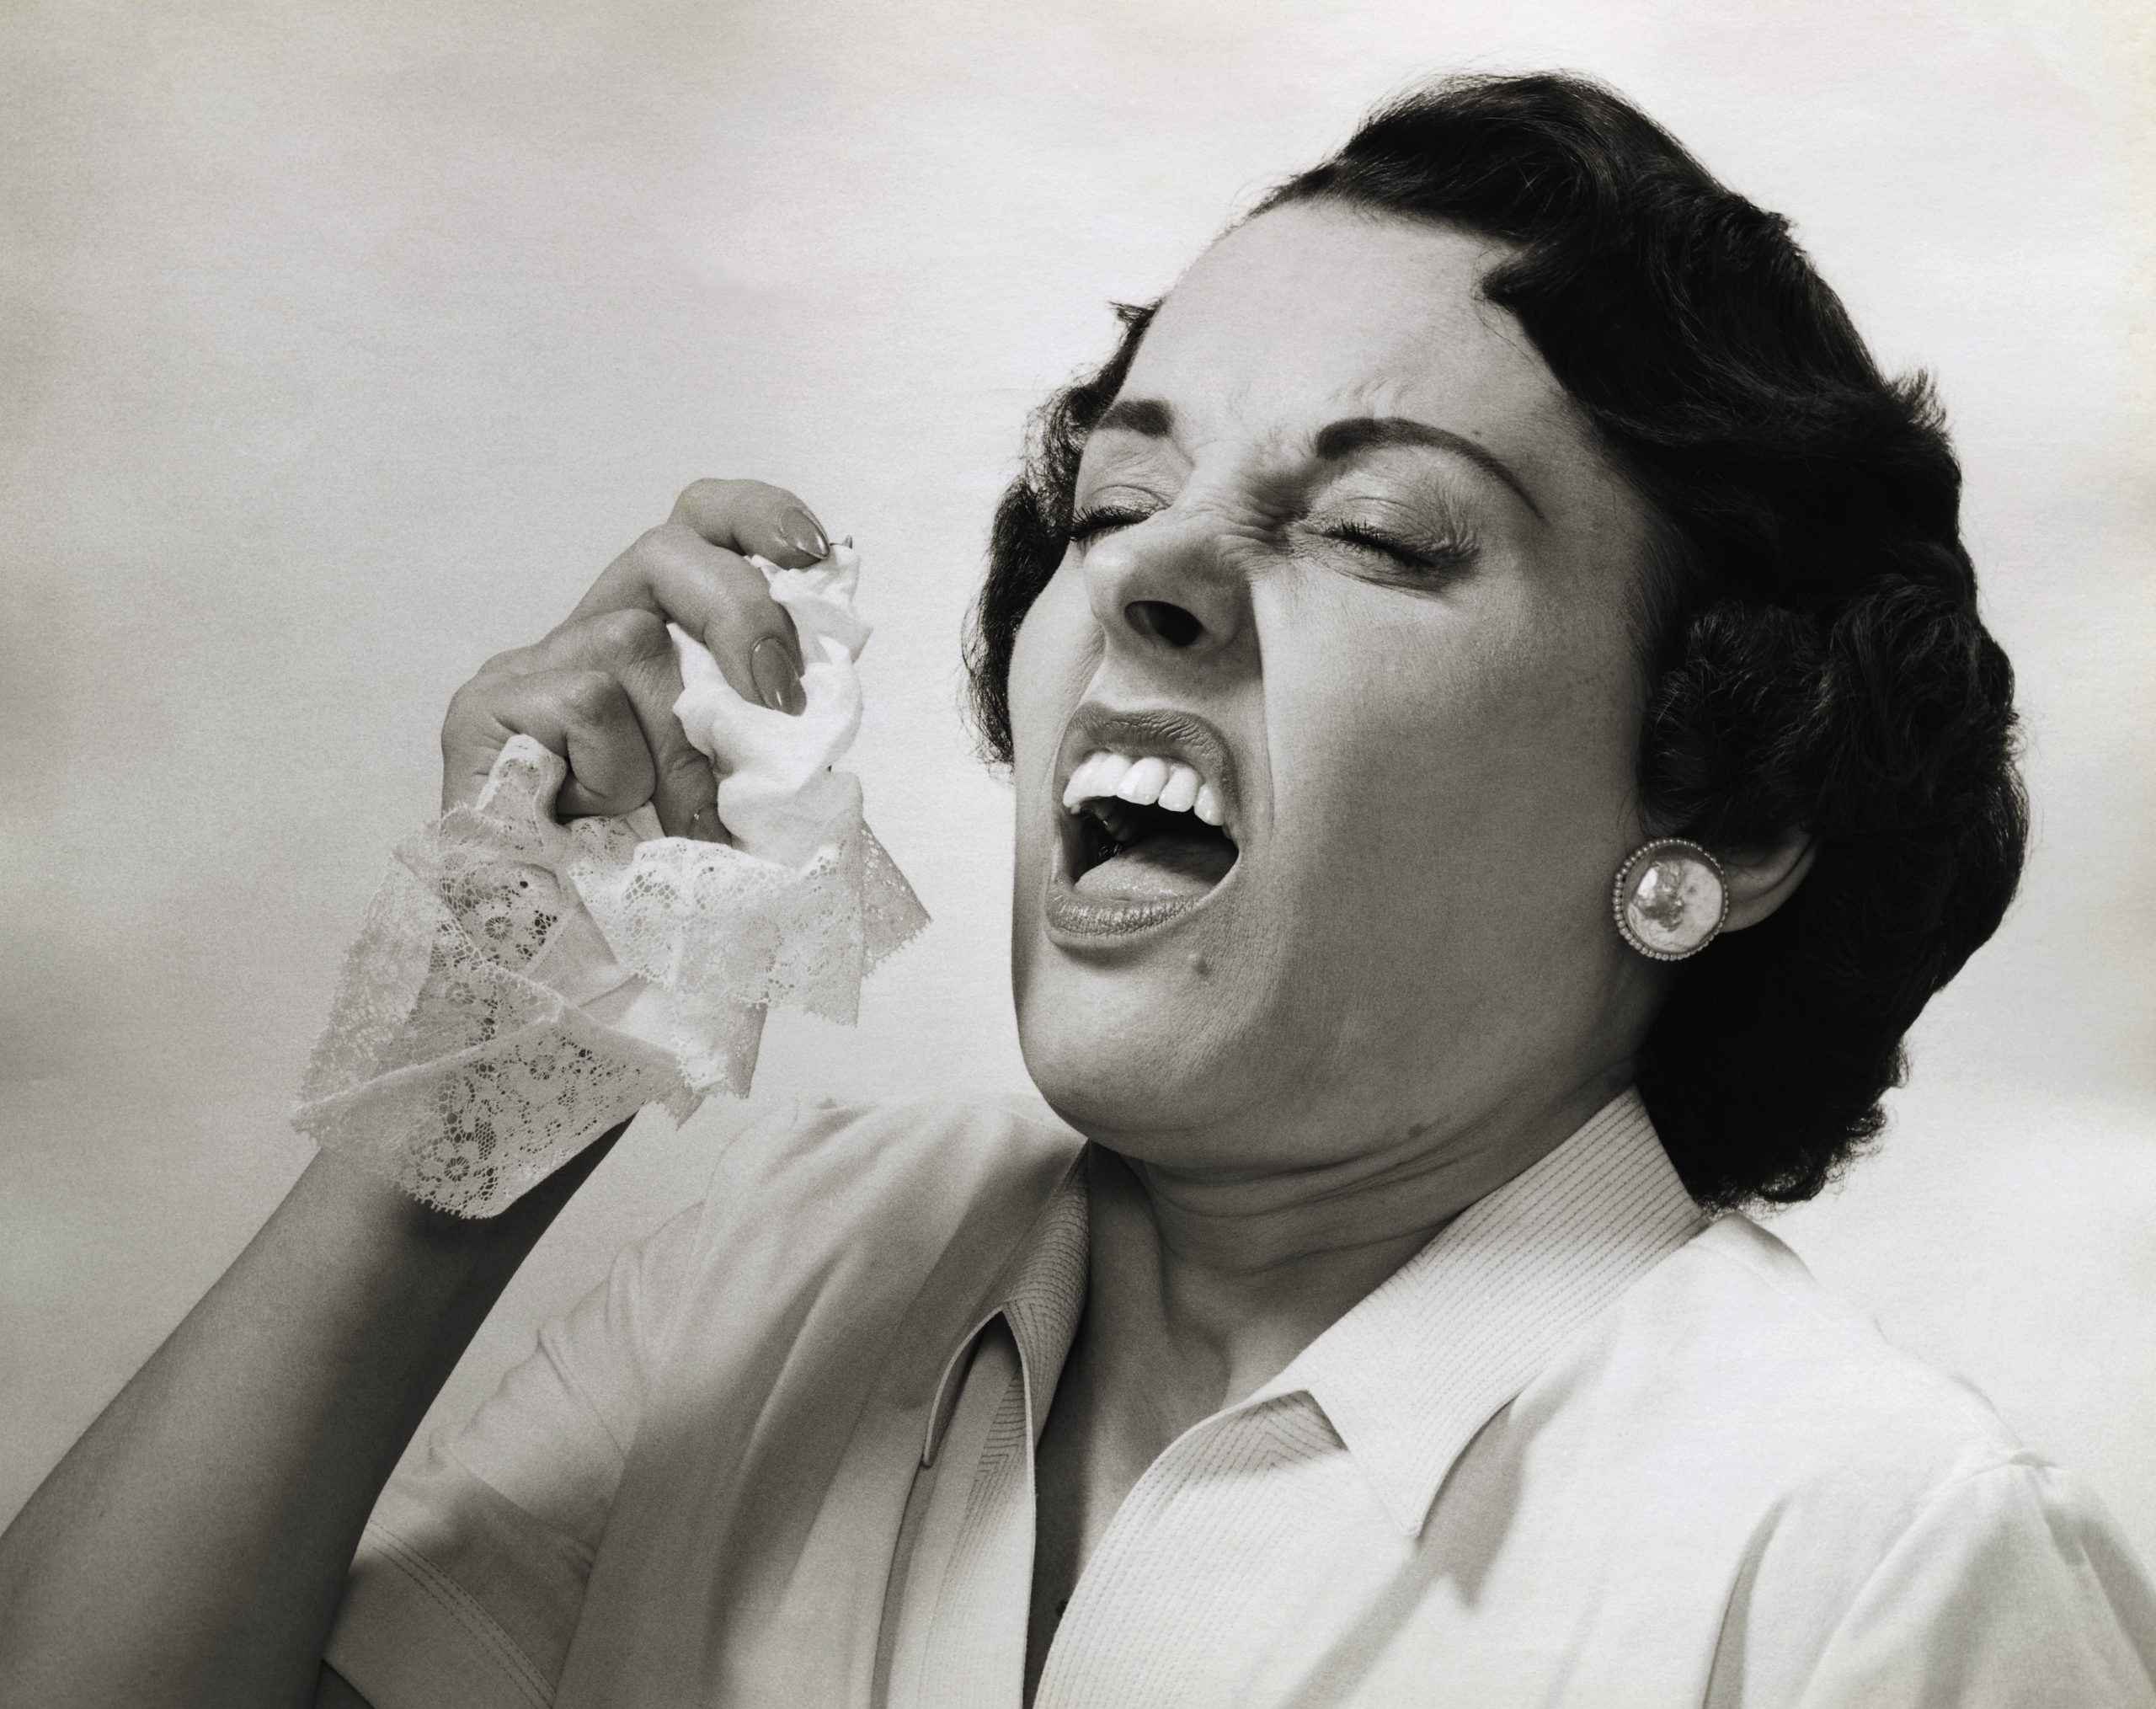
(1146,781)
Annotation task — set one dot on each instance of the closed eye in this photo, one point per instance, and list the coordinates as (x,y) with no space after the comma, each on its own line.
(1354,534)
(1439,556)
(1425,558)
(1091,525)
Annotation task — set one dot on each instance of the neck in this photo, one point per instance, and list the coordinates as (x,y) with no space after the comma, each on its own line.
(1211,1280)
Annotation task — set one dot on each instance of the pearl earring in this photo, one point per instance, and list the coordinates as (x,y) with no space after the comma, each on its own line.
(1671,900)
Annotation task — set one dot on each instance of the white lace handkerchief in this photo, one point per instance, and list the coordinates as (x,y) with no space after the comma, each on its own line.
(519,985)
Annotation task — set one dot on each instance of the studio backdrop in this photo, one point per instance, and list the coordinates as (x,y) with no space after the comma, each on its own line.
(341,345)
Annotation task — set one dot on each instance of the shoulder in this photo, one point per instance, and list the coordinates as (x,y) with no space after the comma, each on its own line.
(856,1159)
(1914,1550)
(1744,1403)
(1814,1380)
(1854,1497)
(865,1205)
(2026,1587)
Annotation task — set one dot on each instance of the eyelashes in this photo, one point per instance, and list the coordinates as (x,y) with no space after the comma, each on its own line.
(1089,526)
(1425,556)
(1449,550)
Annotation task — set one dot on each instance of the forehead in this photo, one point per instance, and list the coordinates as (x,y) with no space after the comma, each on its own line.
(1315,311)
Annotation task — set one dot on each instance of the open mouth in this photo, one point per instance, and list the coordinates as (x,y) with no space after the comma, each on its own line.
(1151,830)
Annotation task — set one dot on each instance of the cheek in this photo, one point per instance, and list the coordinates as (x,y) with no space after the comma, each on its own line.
(1058,650)
(1465,780)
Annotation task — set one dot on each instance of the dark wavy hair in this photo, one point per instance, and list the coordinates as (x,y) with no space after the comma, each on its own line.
(1810,637)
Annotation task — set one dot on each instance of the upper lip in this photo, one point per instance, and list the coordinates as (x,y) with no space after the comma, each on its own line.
(1170,733)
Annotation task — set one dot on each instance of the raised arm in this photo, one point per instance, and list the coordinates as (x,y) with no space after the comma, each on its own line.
(192,1546)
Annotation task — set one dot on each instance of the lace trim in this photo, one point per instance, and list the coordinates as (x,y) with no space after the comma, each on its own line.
(520,986)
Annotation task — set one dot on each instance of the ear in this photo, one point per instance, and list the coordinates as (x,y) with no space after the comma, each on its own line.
(1761,879)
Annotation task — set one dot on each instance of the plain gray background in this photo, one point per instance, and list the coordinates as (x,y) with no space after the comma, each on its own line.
(344,343)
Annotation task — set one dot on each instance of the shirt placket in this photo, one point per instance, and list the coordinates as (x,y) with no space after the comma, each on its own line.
(1143,1627)
(965,1586)
(975,1654)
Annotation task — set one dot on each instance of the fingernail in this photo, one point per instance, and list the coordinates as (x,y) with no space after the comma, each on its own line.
(778,684)
(802,534)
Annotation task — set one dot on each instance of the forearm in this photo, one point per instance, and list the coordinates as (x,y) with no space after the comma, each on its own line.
(192,1546)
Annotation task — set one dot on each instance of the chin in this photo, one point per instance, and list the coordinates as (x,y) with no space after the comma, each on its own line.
(1140,1010)
(1145,1058)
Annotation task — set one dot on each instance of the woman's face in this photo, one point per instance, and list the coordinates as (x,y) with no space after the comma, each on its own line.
(1347,557)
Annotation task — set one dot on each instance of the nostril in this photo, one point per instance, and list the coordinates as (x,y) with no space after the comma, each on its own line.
(1164,621)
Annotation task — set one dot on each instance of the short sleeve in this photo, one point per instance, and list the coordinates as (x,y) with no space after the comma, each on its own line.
(2011,1587)
(469,1581)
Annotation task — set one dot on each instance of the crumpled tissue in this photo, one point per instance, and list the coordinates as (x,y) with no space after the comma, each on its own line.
(519,985)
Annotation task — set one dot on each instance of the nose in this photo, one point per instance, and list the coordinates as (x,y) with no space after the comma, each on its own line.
(1164,586)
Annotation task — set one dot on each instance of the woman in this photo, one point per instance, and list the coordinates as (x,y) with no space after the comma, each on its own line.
(1500,501)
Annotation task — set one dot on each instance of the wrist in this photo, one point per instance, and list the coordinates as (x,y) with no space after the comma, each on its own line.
(350,1207)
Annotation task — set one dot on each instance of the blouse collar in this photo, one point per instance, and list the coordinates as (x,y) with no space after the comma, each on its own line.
(1411,1372)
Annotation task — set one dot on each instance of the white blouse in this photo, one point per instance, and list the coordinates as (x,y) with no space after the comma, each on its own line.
(1588,1447)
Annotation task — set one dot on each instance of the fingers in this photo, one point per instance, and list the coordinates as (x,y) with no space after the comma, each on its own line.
(635,650)
(595,689)
(584,716)
(749,517)
(693,570)
(600,690)
(718,596)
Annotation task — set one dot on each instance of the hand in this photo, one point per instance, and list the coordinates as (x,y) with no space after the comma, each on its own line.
(600,690)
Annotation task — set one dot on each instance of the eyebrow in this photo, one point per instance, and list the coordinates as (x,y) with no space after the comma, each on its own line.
(1146,415)
(1341,440)
(1337,440)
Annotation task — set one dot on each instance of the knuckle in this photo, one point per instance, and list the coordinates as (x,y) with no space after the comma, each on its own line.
(506,662)
(632,632)
(468,703)
(588,697)
(708,493)
(664,544)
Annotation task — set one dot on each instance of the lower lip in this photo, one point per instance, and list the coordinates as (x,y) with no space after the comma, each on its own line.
(1073,918)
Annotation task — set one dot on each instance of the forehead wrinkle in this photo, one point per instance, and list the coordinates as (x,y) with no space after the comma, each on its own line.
(1430,345)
